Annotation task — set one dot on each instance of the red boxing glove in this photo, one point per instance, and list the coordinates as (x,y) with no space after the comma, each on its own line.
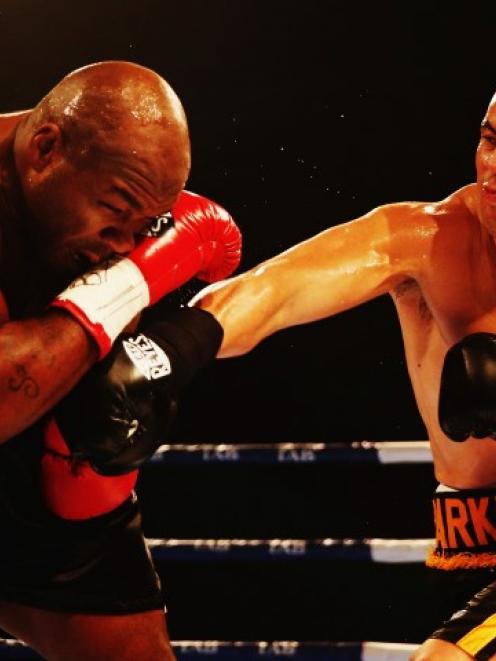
(204,241)
(71,488)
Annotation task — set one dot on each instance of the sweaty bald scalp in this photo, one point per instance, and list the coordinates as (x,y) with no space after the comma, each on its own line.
(120,111)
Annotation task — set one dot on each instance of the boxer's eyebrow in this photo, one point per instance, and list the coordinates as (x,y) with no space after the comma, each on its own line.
(128,197)
(487,125)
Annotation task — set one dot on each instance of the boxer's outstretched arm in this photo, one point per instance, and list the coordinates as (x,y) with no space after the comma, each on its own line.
(331,272)
(41,359)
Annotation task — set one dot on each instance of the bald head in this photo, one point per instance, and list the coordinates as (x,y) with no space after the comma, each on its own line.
(103,153)
(123,112)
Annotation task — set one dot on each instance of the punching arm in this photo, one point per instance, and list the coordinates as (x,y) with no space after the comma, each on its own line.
(335,270)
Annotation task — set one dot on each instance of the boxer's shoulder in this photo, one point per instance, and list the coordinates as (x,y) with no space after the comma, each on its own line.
(459,208)
(9,120)
(460,203)
(407,230)
(452,219)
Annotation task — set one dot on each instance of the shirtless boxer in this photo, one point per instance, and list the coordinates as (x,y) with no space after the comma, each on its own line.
(98,164)
(438,262)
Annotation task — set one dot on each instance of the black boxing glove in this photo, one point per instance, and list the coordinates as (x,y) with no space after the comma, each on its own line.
(467,399)
(118,414)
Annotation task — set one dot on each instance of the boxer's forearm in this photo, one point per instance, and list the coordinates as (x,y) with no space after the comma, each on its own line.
(40,361)
(293,288)
(245,308)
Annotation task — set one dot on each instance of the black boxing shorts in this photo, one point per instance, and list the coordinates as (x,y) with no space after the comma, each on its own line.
(473,628)
(99,566)
(465,523)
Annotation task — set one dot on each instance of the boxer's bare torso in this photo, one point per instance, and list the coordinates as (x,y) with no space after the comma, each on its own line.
(454,296)
(438,262)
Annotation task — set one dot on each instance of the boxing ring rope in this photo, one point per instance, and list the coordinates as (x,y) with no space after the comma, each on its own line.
(369,550)
(382,452)
(311,651)
(374,550)
(194,650)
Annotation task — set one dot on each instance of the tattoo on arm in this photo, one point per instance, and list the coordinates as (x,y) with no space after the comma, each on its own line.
(22,381)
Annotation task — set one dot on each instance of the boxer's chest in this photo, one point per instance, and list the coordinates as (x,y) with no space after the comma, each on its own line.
(432,318)
(456,296)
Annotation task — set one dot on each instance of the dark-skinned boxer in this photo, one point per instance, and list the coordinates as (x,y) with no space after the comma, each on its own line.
(95,165)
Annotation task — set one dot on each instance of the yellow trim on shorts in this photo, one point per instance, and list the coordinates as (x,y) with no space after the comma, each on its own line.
(478,637)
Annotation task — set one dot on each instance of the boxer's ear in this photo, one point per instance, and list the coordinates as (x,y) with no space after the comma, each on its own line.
(45,146)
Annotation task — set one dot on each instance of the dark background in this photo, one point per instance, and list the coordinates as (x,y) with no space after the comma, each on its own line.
(302,115)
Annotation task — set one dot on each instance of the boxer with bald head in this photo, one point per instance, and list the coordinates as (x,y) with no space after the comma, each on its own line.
(438,262)
(108,139)
(94,226)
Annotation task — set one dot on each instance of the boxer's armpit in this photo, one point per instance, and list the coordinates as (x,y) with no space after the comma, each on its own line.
(41,359)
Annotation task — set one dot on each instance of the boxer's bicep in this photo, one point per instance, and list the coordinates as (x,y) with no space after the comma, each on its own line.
(333,271)
(348,264)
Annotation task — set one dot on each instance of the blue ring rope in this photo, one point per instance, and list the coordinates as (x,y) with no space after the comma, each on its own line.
(377,452)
